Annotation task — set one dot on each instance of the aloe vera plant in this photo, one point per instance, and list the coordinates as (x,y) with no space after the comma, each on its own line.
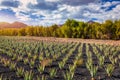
(26,60)
(41,78)
(12,65)
(68,75)
(61,64)
(32,62)
(19,58)
(20,71)
(113,60)
(109,68)
(92,69)
(34,57)
(1,77)
(14,57)
(6,63)
(72,68)
(53,72)
(40,68)
(101,60)
(28,75)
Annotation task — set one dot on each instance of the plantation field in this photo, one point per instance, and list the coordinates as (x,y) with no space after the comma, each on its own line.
(42,58)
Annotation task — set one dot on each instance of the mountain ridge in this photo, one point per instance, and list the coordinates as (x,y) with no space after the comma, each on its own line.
(15,24)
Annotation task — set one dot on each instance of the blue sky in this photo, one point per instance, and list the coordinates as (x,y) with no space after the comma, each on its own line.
(48,12)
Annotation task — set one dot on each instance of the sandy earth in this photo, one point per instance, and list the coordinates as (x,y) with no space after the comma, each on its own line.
(94,41)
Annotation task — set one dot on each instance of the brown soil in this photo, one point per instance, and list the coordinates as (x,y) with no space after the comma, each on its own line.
(54,39)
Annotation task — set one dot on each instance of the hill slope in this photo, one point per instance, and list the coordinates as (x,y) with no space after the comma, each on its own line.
(12,25)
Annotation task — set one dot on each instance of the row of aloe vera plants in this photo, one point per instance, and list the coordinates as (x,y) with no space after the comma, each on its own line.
(108,58)
(33,60)
(33,54)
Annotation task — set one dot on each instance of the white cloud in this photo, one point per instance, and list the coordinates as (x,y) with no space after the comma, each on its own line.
(93,6)
(84,13)
(2,7)
(102,14)
(117,9)
(107,4)
(49,22)
(22,17)
(52,0)
(64,11)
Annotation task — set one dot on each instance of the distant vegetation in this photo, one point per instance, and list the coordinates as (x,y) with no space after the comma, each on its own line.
(70,29)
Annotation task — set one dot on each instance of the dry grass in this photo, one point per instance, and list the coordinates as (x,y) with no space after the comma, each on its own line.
(79,62)
(45,62)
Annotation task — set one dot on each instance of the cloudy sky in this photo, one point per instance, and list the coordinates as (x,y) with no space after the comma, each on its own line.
(47,12)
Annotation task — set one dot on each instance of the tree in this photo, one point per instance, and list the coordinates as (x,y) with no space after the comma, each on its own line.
(22,32)
(29,31)
(71,23)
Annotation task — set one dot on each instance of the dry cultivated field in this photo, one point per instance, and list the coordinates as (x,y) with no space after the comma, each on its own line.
(42,58)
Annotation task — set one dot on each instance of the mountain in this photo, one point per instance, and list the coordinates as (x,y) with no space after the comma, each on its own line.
(4,24)
(90,22)
(12,25)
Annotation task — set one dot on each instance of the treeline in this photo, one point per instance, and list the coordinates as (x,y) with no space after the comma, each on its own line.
(70,29)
